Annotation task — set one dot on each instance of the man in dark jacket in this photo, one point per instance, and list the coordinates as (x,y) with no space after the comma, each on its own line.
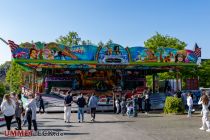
(135,105)
(140,103)
(67,107)
(41,104)
(81,104)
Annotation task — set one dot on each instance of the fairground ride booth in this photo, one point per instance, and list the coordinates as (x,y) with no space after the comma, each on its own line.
(88,68)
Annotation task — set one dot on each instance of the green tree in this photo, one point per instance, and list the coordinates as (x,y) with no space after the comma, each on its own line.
(100,44)
(14,77)
(149,81)
(3,70)
(160,41)
(72,38)
(204,74)
(164,41)
(109,42)
(2,90)
(86,42)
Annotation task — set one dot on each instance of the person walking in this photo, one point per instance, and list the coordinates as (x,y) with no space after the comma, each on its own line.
(146,103)
(93,103)
(205,102)
(41,104)
(190,105)
(140,103)
(31,112)
(81,104)
(67,107)
(117,104)
(123,106)
(135,105)
(18,111)
(8,109)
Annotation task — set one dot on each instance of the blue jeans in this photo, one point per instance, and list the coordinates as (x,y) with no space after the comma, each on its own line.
(80,112)
(190,111)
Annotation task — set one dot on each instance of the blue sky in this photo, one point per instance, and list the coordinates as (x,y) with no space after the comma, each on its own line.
(127,22)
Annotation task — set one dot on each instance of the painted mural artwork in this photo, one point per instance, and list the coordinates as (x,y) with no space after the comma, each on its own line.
(113,54)
(54,51)
(84,52)
(164,55)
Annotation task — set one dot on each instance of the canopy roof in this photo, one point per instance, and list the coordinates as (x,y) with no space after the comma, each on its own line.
(53,55)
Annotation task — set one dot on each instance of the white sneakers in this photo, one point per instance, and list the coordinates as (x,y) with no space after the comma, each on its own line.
(208,130)
(203,129)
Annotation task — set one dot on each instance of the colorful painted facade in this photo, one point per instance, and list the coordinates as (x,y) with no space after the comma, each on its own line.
(53,55)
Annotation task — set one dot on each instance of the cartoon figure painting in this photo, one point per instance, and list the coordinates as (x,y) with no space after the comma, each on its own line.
(138,58)
(112,54)
(21,53)
(33,53)
(117,50)
(180,56)
(150,56)
(47,54)
(60,53)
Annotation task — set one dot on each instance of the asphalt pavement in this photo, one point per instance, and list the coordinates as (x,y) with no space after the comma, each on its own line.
(155,126)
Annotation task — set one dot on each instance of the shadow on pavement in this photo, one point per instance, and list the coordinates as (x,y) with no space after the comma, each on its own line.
(76,133)
(54,118)
(110,122)
(9,138)
(148,116)
(51,126)
(39,121)
(52,129)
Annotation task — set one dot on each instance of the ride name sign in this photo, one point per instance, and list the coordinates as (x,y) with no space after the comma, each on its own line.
(30,133)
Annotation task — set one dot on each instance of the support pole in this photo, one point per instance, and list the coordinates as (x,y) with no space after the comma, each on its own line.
(154,84)
(113,96)
(4,41)
(33,81)
(177,81)
(181,82)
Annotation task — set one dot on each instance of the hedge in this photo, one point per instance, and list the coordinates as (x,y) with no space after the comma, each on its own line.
(173,105)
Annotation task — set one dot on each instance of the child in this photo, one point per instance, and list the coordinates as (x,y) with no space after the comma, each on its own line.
(129,109)
(190,105)
(123,107)
(205,111)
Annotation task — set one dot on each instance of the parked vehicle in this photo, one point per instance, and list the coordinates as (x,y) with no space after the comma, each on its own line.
(196,95)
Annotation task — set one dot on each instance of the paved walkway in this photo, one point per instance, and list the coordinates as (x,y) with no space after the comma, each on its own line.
(117,127)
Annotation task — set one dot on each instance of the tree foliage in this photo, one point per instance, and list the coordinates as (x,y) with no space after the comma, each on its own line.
(86,42)
(2,89)
(204,74)
(71,39)
(14,77)
(164,41)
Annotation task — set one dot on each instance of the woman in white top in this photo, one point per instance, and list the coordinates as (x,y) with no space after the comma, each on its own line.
(8,108)
(205,111)
(31,112)
(190,105)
